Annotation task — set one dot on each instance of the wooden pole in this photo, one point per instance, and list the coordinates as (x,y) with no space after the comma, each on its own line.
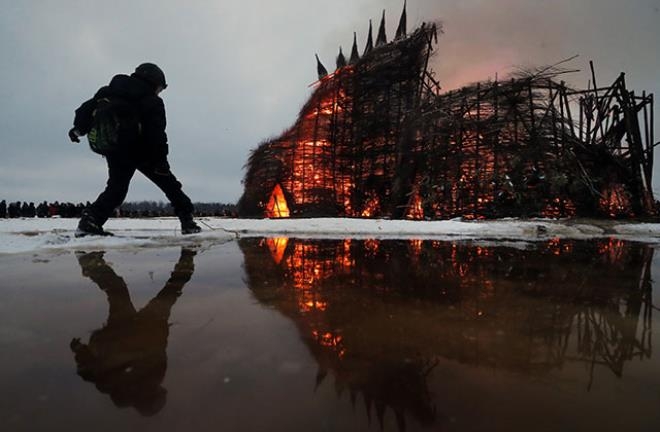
(568,112)
(477,132)
(496,140)
(599,120)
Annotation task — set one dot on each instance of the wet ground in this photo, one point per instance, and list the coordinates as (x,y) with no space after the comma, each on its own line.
(333,335)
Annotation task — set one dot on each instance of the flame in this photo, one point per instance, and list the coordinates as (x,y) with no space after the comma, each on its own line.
(371,206)
(344,154)
(415,210)
(558,208)
(277,206)
(615,202)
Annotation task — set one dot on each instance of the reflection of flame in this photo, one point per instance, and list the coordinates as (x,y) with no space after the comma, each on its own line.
(558,247)
(330,340)
(277,207)
(470,275)
(416,246)
(277,247)
(613,250)
(371,246)
(312,305)
(306,268)
(482,251)
(346,260)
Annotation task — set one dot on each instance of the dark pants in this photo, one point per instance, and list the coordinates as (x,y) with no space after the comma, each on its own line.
(120,173)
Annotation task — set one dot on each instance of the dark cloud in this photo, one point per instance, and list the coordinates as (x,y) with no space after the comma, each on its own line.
(239,71)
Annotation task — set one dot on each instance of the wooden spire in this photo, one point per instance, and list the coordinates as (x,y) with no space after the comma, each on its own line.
(341,60)
(322,71)
(382,36)
(355,56)
(370,40)
(401,30)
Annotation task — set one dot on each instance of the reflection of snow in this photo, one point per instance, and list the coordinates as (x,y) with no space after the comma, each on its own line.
(23,235)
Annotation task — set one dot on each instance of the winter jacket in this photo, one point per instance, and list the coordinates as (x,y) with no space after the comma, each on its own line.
(153,142)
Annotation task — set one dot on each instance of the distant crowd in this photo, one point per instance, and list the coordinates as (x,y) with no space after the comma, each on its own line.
(140,209)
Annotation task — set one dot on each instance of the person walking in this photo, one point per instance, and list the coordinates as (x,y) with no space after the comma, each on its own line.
(148,154)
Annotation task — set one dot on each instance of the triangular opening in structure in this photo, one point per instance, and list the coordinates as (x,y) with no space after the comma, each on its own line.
(277,206)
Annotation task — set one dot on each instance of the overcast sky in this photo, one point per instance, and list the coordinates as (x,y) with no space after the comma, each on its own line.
(238,71)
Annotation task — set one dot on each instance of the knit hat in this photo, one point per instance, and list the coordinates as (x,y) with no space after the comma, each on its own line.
(152,74)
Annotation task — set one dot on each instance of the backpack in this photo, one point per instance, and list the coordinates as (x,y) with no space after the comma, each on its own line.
(115,126)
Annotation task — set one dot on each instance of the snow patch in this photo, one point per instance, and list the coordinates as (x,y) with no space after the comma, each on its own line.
(25,235)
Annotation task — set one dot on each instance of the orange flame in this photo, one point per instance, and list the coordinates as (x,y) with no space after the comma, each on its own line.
(615,201)
(277,206)
(371,207)
(415,210)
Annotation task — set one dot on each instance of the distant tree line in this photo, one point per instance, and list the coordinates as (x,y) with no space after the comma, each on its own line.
(138,209)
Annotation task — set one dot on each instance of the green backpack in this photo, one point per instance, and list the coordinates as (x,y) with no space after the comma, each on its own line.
(115,126)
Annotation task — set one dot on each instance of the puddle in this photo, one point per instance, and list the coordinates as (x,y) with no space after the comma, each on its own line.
(289,334)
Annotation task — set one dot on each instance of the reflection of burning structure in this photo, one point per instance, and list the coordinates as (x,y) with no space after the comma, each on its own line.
(379,315)
(378,138)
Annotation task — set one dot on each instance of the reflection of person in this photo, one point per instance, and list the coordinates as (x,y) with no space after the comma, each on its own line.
(127,358)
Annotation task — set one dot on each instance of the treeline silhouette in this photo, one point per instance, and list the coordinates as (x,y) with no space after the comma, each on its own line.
(137,209)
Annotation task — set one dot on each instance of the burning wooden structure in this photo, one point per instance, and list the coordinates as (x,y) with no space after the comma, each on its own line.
(378,138)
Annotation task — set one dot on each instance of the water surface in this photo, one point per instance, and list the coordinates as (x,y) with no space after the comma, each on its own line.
(288,334)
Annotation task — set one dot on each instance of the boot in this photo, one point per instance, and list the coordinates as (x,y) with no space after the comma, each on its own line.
(89,225)
(188,225)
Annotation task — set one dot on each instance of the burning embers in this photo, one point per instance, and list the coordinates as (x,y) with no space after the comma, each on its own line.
(378,139)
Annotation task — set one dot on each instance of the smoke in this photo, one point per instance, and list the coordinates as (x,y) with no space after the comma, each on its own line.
(487,39)
(484,38)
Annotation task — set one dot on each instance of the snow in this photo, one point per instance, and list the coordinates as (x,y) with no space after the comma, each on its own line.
(27,235)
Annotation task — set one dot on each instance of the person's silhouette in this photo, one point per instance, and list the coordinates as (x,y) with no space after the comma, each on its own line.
(127,358)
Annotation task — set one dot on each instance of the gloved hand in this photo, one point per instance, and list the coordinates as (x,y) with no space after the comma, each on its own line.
(73,135)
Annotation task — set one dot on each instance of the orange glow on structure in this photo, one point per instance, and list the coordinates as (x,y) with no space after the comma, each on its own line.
(371,207)
(615,201)
(383,140)
(415,210)
(277,206)
(277,247)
